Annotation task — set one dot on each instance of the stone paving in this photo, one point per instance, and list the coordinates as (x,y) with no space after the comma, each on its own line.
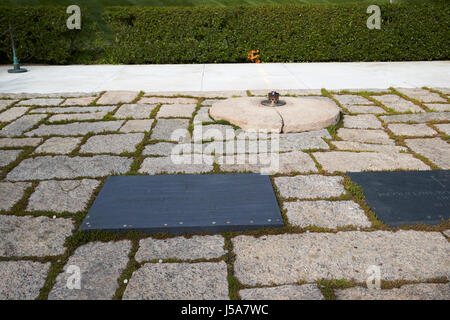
(56,152)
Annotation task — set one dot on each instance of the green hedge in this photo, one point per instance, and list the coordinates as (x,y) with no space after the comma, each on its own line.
(282,33)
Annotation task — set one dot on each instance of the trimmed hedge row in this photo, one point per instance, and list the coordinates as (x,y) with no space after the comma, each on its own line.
(282,33)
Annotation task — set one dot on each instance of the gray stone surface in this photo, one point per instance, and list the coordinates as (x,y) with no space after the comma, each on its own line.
(421,95)
(310,186)
(20,142)
(8,156)
(202,116)
(159,149)
(397,103)
(22,280)
(176,110)
(49,167)
(137,126)
(21,125)
(420,291)
(112,143)
(367,161)
(179,281)
(40,102)
(366,121)
(134,111)
(326,214)
(6,103)
(165,127)
(351,99)
(444,127)
(82,101)
(210,102)
(420,118)
(59,110)
(287,292)
(62,196)
(403,129)
(303,140)
(58,145)
(216,132)
(439,106)
(366,109)
(10,193)
(292,92)
(447,233)
(289,258)
(183,164)
(115,97)
(161,100)
(358,146)
(197,247)
(12,114)
(33,236)
(77,116)
(435,149)
(77,128)
(365,135)
(101,265)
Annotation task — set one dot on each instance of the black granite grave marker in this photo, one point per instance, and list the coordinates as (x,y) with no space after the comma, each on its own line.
(407,197)
(185,204)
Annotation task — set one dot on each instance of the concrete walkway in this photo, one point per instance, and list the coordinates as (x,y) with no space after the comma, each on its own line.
(220,77)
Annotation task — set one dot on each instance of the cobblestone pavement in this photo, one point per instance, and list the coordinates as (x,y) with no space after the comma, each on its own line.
(57,151)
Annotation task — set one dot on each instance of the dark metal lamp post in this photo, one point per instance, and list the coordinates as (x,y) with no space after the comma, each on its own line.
(17,68)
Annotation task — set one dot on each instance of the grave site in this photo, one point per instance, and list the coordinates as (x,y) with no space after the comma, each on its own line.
(222,179)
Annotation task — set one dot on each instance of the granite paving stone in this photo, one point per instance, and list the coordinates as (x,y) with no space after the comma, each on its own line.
(33,236)
(159,149)
(12,114)
(365,135)
(112,143)
(80,101)
(197,247)
(100,265)
(8,156)
(287,292)
(11,193)
(19,142)
(403,129)
(302,141)
(58,110)
(340,161)
(166,127)
(365,109)
(76,128)
(367,121)
(50,167)
(439,106)
(115,97)
(216,132)
(62,196)
(435,149)
(351,99)
(77,116)
(421,95)
(178,164)
(326,214)
(134,111)
(22,280)
(444,127)
(40,102)
(176,110)
(161,100)
(420,118)
(137,126)
(202,116)
(179,281)
(419,291)
(358,146)
(58,145)
(210,102)
(310,186)
(289,258)
(6,103)
(397,103)
(21,125)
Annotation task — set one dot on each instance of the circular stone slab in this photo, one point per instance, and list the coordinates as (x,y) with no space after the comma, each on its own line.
(299,114)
